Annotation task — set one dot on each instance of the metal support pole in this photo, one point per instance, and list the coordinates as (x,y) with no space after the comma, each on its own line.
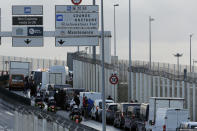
(129,84)
(94,47)
(103,70)
(190,41)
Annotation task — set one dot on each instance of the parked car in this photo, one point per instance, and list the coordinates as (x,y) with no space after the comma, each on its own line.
(96,111)
(188,125)
(111,109)
(131,117)
(120,113)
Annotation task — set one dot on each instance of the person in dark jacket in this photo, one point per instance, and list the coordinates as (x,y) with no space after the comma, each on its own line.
(76,99)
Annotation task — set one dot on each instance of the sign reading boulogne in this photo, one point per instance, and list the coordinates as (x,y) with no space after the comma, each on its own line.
(27,20)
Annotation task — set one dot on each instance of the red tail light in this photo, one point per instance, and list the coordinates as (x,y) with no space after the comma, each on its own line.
(133,116)
(164,127)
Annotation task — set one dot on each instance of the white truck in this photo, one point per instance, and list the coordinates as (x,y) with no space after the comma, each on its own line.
(170,119)
(19,67)
(55,75)
(148,115)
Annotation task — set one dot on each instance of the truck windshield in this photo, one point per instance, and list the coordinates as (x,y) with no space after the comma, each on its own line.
(17,77)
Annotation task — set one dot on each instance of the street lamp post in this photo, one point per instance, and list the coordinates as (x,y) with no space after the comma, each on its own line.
(178,55)
(190,41)
(129,84)
(115,28)
(103,70)
(150,20)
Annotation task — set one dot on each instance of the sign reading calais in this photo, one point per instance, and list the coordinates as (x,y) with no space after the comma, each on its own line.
(77,22)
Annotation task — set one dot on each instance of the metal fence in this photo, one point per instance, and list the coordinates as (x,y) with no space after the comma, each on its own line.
(35,63)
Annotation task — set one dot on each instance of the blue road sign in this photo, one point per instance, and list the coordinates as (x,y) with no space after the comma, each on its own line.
(27,10)
(59,17)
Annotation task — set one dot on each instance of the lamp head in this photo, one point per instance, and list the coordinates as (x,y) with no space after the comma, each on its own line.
(116,5)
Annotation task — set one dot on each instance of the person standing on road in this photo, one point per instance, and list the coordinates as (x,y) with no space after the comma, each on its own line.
(85,106)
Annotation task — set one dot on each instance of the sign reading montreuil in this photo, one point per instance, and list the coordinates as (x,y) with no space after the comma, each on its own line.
(76,22)
(27,30)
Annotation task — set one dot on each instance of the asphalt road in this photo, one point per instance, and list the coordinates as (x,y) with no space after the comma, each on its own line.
(89,122)
(6,118)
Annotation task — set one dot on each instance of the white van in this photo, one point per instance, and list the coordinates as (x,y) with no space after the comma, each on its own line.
(169,119)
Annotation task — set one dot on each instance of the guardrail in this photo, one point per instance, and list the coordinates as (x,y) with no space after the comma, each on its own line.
(34,119)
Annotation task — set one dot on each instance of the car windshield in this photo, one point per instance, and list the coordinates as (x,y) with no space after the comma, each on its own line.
(125,107)
(17,77)
(100,103)
(113,107)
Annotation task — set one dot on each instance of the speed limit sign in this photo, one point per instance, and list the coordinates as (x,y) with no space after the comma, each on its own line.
(76,2)
(113,79)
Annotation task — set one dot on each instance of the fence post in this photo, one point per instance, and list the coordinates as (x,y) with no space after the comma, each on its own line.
(145,88)
(163,87)
(44,125)
(158,86)
(188,96)
(194,102)
(183,89)
(149,86)
(136,87)
(168,87)
(154,89)
(35,123)
(141,89)
(172,88)
(55,126)
(178,89)
(16,121)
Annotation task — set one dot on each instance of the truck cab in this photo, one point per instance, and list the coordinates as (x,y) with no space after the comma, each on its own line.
(16,81)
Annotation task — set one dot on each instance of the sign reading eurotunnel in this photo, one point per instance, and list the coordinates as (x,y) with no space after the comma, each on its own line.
(76,25)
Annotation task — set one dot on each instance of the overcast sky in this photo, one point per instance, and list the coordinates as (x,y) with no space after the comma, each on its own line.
(174,21)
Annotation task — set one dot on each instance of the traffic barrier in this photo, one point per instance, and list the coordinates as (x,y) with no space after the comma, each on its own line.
(12,97)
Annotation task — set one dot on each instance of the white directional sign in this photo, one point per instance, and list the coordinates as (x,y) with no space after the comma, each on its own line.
(74,8)
(78,41)
(85,20)
(76,25)
(27,42)
(76,32)
(27,10)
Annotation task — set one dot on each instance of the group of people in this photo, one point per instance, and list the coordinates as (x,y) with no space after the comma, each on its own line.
(29,84)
